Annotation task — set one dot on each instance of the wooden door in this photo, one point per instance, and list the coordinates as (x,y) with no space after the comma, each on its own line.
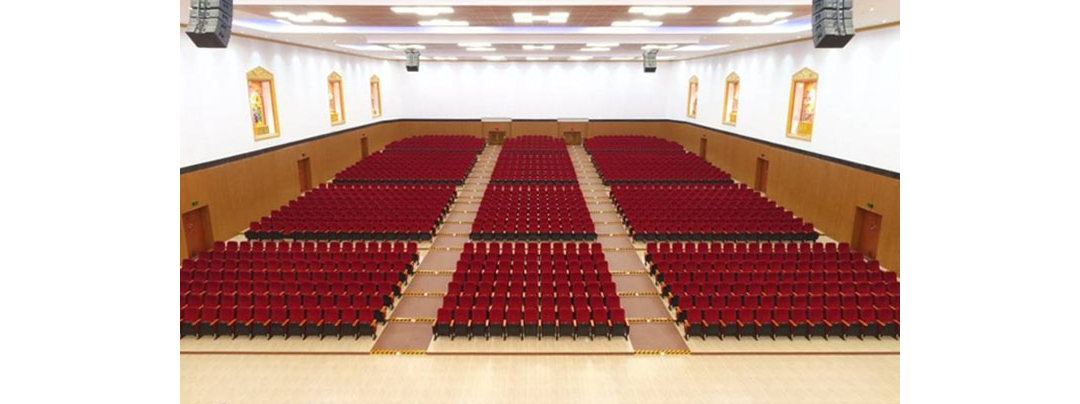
(572,137)
(363,147)
(701,147)
(761,180)
(303,166)
(197,230)
(496,137)
(867,229)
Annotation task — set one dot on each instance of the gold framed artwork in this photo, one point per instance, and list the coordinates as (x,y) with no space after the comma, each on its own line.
(691,97)
(262,104)
(802,105)
(337,99)
(376,97)
(731,99)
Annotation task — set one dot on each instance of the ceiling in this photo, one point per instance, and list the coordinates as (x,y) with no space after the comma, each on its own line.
(373,29)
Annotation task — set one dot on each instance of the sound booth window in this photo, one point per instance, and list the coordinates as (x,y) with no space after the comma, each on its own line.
(731,99)
(802,106)
(262,103)
(337,100)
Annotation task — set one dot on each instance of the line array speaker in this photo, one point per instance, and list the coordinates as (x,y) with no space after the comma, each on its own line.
(210,23)
(833,23)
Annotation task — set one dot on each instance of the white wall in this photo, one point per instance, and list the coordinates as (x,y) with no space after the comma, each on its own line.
(548,90)
(859,95)
(214,102)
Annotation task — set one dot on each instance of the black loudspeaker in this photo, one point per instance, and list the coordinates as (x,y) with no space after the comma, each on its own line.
(210,23)
(648,60)
(833,23)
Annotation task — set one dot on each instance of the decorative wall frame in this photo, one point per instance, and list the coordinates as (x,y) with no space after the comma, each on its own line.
(337,98)
(262,104)
(802,104)
(376,97)
(731,99)
(692,97)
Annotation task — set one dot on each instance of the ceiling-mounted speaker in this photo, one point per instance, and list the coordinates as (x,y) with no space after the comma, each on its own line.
(648,60)
(833,23)
(412,60)
(210,23)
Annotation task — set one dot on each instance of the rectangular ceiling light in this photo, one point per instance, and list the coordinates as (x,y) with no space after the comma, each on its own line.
(637,23)
(445,58)
(366,47)
(753,17)
(401,47)
(474,44)
(537,58)
(538,47)
(622,58)
(602,44)
(580,58)
(426,11)
(658,11)
(661,47)
(555,17)
(480,49)
(495,58)
(442,22)
(313,16)
(699,48)
(595,49)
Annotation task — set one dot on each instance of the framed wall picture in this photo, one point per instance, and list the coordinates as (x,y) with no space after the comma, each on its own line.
(731,99)
(691,98)
(802,104)
(337,99)
(262,104)
(376,97)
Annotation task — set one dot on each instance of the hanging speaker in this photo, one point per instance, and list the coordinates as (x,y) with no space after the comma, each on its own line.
(833,23)
(412,60)
(648,60)
(210,23)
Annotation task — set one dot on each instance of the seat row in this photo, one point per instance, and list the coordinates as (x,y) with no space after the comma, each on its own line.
(617,143)
(532,143)
(750,251)
(773,322)
(438,143)
(385,287)
(533,212)
(410,167)
(313,247)
(674,167)
(581,321)
(283,321)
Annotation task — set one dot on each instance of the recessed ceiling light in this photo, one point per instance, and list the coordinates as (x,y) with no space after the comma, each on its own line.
(367,47)
(495,58)
(428,11)
(309,17)
(662,47)
(753,17)
(554,17)
(595,49)
(537,58)
(636,23)
(602,44)
(699,48)
(538,47)
(400,47)
(580,58)
(445,58)
(658,11)
(474,44)
(480,49)
(442,22)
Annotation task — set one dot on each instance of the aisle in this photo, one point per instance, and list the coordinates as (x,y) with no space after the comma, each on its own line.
(652,329)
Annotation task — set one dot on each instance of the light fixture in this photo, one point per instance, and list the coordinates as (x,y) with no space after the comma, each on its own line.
(442,22)
(474,44)
(554,17)
(780,22)
(753,17)
(662,47)
(595,49)
(309,17)
(426,11)
(658,11)
(602,44)
(400,47)
(444,58)
(699,48)
(495,58)
(622,58)
(636,23)
(537,47)
(579,58)
(537,58)
(366,47)
(480,49)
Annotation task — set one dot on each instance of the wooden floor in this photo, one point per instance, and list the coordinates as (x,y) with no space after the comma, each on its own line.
(653,364)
